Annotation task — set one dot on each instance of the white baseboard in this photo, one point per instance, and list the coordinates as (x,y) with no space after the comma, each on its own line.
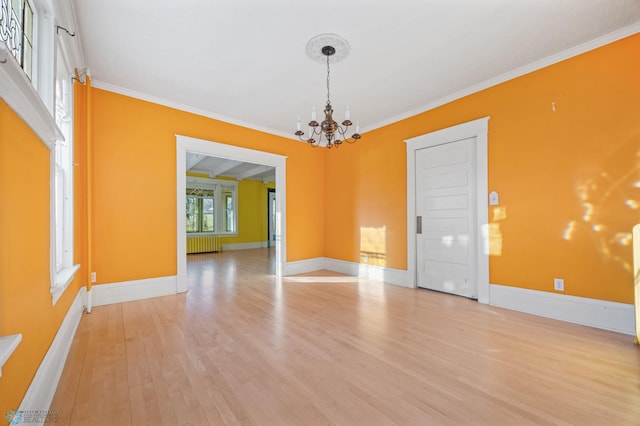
(244,246)
(44,384)
(361,270)
(304,266)
(369,272)
(602,314)
(126,291)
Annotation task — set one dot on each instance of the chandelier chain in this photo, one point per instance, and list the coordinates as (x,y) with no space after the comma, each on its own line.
(328,73)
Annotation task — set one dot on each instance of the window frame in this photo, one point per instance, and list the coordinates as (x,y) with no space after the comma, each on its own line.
(63,269)
(12,33)
(199,210)
(218,187)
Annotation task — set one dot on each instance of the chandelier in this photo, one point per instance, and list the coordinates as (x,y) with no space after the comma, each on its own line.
(333,48)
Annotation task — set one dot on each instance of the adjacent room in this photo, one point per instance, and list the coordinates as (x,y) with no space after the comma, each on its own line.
(410,212)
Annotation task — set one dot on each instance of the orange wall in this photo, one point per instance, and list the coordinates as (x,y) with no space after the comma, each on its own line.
(134,185)
(568,181)
(550,168)
(25,301)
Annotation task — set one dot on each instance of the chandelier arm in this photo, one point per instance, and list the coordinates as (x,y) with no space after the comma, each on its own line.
(342,131)
(319,141)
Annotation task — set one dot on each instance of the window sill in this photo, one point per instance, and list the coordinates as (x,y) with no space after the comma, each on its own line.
(62,281)
(8,344)
(18,92)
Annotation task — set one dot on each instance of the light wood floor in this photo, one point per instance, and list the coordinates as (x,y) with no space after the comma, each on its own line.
(242,347)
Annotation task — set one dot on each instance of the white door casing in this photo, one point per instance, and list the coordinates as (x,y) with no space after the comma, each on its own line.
(186,144)
(477,129)
(271,219)
(445,206)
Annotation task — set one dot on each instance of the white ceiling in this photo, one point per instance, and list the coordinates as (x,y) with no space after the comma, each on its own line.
(244,61)
(217,167)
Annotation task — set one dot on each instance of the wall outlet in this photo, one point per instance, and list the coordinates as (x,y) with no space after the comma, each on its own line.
(93,277)
(558,284)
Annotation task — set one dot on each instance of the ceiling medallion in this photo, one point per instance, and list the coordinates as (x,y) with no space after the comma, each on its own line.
(329,48)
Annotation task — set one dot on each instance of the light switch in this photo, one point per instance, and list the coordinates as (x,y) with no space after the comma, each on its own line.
(493,198)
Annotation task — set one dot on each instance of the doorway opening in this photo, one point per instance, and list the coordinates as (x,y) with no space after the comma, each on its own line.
(186,144)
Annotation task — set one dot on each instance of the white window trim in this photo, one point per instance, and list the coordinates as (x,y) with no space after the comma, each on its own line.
(63,270)
(34,102)
(18,92)
(216,185)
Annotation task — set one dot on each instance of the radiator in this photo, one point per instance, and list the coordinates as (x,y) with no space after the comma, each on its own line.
(202,244)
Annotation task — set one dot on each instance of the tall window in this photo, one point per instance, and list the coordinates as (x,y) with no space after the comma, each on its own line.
(211,206)
(16,30)
(228,222)
(200,210)
(63,180)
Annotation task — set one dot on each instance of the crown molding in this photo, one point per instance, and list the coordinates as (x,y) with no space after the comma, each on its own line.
(183,107)
(518,72)
(510,75)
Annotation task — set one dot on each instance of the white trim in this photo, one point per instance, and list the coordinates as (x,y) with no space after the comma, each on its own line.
(636,279)
(183,107)
(602,314)
(218,186)
(518,72)
(509,75)
(66,17)
(303,266)
(244,246)
(8,344)
(360,270)
(229,152)
(369,272)
(43,386)
(61,263)
(479,129)
(127,291)
(62,280)
(18,92)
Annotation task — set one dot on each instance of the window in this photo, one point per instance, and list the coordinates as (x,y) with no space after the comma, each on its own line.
(200,210)
(63,180)
(228,223)
(44,63)
(211,206)
(16,30)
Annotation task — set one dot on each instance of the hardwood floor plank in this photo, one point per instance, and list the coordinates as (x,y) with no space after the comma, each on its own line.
(243,347)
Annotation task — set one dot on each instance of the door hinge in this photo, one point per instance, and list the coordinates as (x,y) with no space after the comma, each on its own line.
(419,224)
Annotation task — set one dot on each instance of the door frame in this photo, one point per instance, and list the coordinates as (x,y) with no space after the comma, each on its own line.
(269,213)
(186,144)
(478,129)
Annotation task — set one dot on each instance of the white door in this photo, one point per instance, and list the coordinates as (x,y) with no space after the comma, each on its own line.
(445,211)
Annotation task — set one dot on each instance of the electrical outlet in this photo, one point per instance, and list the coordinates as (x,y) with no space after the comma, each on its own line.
(558,284)
(93,277)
